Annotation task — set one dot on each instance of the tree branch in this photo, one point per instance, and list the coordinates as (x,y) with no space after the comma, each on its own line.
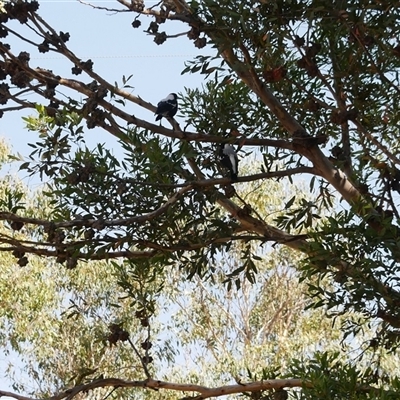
(204,391)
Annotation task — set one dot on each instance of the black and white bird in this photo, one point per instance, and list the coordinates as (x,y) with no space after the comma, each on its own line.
(167,107)
(229,159)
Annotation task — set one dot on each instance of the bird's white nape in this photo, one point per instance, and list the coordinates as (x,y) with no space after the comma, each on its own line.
(170,97)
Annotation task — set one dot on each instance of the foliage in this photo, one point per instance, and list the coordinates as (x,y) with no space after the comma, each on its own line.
(308,87)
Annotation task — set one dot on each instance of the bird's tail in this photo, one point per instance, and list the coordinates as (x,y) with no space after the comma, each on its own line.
(234,176)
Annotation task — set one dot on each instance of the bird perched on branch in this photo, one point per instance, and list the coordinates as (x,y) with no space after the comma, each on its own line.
(167,107)
(229,159)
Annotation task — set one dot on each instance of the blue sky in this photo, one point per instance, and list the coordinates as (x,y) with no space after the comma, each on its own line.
(116,50)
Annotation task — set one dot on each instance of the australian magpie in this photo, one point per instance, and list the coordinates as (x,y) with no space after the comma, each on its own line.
(167,107)
(229,159)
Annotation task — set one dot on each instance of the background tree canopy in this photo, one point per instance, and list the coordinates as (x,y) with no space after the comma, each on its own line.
(154,273)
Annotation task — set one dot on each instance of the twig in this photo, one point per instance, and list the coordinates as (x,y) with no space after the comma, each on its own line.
(169,36)
(144,364)
(113,10)
(375,141)
(111,392)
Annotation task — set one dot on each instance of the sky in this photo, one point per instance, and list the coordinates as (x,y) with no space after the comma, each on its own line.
(117,50)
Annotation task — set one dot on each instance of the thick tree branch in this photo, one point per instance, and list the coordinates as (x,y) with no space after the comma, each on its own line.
(324,167)
(250,223)
(204,392)
(246,72)
(45,76)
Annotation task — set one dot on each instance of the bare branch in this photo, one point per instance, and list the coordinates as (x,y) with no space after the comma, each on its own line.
(170,36)
(113,10)
(143,362)
(204,391)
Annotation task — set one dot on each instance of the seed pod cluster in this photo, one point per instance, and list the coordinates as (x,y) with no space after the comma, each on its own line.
(117,333)
(137,5)
(143,317)
(16,225)
(20,255)
(56,236)
(4,93)
(160,38)
(20,10)
(136,23)
(81,174)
